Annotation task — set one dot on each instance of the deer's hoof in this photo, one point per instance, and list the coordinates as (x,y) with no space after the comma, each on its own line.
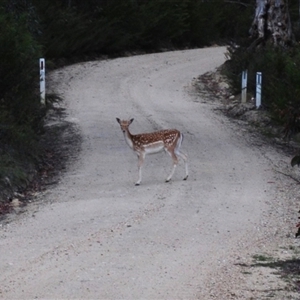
(186,177)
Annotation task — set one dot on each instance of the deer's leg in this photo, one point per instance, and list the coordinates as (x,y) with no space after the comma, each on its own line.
(184,157)
(141,157)
(175,162)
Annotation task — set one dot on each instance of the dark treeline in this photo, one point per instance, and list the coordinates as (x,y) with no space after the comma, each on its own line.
(78,28)
(74,29)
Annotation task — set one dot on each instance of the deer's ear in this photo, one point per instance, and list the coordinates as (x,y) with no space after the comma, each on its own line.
(131,120)
(118,120)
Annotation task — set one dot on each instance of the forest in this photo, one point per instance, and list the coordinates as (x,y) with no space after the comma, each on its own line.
(68,31)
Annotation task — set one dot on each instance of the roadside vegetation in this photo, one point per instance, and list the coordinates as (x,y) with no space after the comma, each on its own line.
(72,30)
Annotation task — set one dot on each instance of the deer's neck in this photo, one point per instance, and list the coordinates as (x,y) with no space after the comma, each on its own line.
(128,138)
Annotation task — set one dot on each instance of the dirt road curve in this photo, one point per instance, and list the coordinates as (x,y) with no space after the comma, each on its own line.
(100,237)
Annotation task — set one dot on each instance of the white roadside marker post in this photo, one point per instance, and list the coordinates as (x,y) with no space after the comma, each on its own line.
(258,89)
(42,81)
(244,86)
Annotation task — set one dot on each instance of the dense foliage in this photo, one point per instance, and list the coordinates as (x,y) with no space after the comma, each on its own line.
(281,81)
(75,28)
(280,67)
(20,114)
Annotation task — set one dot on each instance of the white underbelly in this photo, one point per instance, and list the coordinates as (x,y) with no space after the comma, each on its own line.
(154,148)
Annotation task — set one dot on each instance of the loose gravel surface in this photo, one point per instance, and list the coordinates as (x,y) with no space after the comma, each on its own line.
(225,233)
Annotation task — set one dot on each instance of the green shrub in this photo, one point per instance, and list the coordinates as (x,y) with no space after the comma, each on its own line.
(280,80)
(21,117)
(19,75)
(115,26)
(164,23)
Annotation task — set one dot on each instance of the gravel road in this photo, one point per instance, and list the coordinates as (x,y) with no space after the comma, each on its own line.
(95,235)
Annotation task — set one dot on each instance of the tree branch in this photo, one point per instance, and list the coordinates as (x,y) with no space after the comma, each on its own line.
(238,2)
(287,175)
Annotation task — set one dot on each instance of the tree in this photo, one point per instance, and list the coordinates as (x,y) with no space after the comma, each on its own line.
(271,23)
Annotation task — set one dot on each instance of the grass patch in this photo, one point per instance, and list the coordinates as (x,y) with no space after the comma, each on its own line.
(262,258)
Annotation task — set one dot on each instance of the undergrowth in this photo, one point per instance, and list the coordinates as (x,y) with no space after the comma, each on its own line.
(280,81)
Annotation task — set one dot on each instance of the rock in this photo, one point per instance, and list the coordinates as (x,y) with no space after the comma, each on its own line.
(16,202)
(257,117)
(240,109)
(224,85)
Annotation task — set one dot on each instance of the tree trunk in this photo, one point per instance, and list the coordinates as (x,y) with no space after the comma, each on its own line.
(272,23)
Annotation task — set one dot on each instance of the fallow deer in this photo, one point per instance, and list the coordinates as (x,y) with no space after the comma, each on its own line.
(169,140)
